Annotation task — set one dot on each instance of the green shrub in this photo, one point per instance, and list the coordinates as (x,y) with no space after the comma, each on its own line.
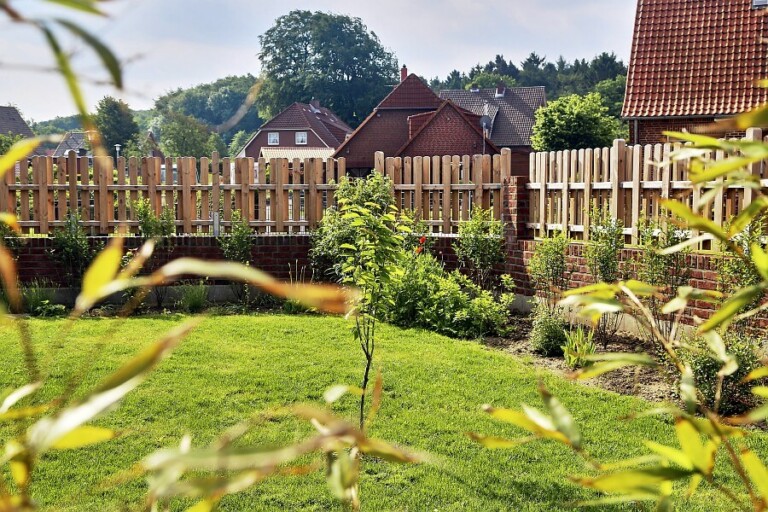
(424,295)
(327,255)
(418,237)
(193,297)
(38,299)
(602,252)
(160,228)
(237,245)
(548,332)
(9,238)
(578,345)
(480,246)
(736,396)
(549,271)
(71,249)
(667,271)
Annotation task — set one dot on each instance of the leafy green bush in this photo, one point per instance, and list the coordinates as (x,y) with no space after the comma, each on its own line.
(193,297)
(9,238)
(334,231)
(160,228)
(480,246)
(602,252)
(71,248)
(548,332)
(549,269)
(736,396)
(579,344)
(237,245)
(38,298)
(424,295)
(667,271)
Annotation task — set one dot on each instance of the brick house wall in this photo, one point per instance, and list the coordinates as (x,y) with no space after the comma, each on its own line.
(650,130)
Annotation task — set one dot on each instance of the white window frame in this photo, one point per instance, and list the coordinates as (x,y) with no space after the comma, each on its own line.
(298,143)
(273,141)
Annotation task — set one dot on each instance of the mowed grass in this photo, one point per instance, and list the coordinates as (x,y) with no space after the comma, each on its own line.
(231,367)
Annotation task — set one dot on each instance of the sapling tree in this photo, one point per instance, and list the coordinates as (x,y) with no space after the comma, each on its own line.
(480,246)
(369,266)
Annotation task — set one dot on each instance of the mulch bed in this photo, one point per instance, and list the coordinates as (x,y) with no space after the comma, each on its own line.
(651,384)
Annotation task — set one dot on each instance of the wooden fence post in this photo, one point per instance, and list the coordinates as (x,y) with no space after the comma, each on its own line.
(378,161)
(753,134)
(617,162)
(446,178)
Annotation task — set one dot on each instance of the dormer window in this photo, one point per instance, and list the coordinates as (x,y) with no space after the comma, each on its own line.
(301,138)
(273,138)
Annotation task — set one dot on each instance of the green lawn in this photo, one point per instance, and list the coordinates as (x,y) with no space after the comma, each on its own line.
(232,367)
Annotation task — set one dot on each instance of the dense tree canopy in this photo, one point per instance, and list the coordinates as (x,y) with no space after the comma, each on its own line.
(115,122)
(560,78)
(574,122)
(185,136)
(329,57)
(216,103)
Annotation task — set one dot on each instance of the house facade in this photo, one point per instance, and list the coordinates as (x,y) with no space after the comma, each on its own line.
(414,121)
(301,125)
(694,62)
(511,112)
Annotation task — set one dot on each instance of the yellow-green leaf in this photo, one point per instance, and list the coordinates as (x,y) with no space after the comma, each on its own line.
(760,259)
(385,451)
(83,436)
(88,6)
(747,215)
(671,454)
(20,150)
(694,220)
(333,393)
(757,373)
(757,472)
(724,315)
(105,54)
(11,221)
(19,472)
(633,481)
(206,505)
(65,68)
(561,417)
(701,455)
(101,272)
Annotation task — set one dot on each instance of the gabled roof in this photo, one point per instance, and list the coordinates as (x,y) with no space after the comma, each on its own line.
(696,58)
(73,141)
(448,130)
(512,114)
(300,116)
(12,122)
(411,93)
(386,128)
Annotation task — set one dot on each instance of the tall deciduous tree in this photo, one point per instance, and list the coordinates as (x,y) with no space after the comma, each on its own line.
(574,122)
(185,136)
(329,57)
(115,122)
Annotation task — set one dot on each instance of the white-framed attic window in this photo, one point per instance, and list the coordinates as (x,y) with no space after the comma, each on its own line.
(301,138)
(273,138)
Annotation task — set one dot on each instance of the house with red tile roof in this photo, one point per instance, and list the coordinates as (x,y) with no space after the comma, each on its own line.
(449,130)
(312,128)
(413,121)
(693,62)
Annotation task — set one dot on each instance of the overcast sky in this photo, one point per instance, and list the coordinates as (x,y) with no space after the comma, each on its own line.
(179,43)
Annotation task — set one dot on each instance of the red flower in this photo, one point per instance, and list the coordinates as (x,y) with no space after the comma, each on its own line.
(419,249)
(422,240)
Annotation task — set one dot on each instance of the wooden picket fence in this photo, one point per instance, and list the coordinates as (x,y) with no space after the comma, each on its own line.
(631,181)
(274,196)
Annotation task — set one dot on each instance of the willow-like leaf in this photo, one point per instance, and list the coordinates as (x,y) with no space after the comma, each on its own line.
(561,417)
(65,68)
(106,56)
(17,394)
(11,221)
(694,220)
(531,420)
(497,443)
(100,274)
(83,436)
(730,308)
(9,278)
(636,481)
(334,393)
(19,151)
(747,215)
(757,472)
(702,455)
(88,6)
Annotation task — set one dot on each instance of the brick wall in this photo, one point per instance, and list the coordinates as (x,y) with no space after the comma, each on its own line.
(649,131)
(279,255)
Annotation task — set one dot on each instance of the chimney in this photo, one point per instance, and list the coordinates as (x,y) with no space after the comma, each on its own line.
(315,103)
(403,73)
(500,90)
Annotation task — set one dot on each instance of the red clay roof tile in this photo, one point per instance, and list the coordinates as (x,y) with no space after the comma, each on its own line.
(696,58)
